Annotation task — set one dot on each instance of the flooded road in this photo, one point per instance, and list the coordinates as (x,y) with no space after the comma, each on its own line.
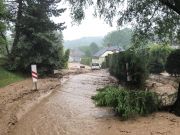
(70,111)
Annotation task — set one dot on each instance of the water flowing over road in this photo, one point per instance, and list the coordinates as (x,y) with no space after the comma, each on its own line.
(70,111)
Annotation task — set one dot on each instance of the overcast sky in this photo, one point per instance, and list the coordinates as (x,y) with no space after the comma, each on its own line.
(90,26)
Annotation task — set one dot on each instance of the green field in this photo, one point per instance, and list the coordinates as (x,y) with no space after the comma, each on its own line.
(7,77)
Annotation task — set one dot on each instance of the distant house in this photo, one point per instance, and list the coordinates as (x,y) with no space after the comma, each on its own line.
(99,57)
(75,55)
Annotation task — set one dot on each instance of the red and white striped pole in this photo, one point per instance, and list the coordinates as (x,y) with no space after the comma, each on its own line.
(34,75)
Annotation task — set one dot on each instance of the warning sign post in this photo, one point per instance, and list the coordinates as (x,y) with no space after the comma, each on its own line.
(34,75)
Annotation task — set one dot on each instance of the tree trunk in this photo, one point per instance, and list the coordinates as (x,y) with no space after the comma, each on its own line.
(176,106)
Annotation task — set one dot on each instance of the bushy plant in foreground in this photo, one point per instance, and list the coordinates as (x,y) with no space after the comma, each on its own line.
(127,103)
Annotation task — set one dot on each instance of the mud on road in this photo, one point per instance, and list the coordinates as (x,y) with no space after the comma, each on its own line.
(70,111)
(18,98)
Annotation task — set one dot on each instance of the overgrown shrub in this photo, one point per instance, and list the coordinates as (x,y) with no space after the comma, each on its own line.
(157,58)
(173,63)
(105,64)
(156,67)
(137,69)
(127,103)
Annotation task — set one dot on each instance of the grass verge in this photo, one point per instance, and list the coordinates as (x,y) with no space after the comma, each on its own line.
(7,77)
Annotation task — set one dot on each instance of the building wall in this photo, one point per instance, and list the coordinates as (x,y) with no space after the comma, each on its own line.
(106,53)
(101,59)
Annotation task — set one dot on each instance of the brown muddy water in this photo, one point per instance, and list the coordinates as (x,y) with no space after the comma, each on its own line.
(70,111)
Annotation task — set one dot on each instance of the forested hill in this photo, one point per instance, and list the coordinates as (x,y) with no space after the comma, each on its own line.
(85,41)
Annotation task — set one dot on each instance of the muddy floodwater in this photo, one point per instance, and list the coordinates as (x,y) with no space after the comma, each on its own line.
(70,111)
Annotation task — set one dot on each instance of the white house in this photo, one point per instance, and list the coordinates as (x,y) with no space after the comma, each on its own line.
(99,57)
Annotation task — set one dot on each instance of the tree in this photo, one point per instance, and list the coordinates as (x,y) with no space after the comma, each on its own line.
(90,50)
(93,47)
(36,41)
(66,58)
(121,38)
(3,42)
(149,17)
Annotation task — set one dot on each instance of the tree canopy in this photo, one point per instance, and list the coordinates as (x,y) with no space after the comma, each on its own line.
(37,39)
(121,38)
(157,20)
(90,50)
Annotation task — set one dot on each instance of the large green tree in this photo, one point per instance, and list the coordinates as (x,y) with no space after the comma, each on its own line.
(36,40)
(90,50)
(121,38)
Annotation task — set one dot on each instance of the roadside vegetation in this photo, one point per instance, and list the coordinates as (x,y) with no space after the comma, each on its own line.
(132,68)
(33,39)
(7,77)
(173,63)
(127,103)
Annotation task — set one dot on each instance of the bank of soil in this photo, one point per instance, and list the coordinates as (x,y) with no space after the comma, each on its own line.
(70,111)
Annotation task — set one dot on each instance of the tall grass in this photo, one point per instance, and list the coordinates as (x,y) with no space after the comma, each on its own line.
(7,77)
(127,103)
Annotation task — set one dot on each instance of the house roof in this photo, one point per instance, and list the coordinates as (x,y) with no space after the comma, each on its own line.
(111,48)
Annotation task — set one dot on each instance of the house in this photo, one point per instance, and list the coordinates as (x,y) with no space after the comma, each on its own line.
(75,55)
(99,57)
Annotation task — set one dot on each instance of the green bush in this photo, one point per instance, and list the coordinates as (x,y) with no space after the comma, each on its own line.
(157,58)
(156,67)
(173,63)
(127,103)
(86,61)
(105,64)
(137,68)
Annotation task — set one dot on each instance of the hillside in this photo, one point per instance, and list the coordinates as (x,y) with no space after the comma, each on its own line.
(85,41)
